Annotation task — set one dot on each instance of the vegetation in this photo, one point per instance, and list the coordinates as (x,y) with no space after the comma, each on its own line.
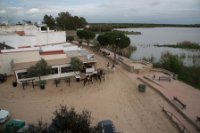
(138,25)
(151,59)
(108,27)
(129,32)
(127,51)
(183,45)
(116,40)
(64,21)
(70,38)
(85,34)
(50,21)
(100,28)
(76,64)
(41,68)
(66,120)
(188,74)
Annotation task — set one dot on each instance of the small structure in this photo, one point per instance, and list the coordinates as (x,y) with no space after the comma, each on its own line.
(141,88)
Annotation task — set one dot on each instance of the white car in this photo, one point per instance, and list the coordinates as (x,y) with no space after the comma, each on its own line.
(4,116)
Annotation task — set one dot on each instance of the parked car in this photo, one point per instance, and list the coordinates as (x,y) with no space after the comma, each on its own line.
(12,126)
(107,126)
(4,116)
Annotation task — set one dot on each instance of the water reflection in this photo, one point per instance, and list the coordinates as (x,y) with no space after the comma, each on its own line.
(150,36)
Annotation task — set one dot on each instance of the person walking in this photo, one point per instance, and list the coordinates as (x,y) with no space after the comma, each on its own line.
(113,67)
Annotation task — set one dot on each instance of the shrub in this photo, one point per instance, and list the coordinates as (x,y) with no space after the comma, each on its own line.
(70,38)
(66,120)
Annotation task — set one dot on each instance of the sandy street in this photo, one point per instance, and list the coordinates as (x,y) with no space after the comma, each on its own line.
(117,99)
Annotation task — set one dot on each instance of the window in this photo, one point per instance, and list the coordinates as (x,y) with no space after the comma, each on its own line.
(54,70)
(66,69)
(22,75)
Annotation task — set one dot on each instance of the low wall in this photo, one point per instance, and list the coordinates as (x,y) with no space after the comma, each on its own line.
(127,65)
(171,74)
(171,103)
(52,76)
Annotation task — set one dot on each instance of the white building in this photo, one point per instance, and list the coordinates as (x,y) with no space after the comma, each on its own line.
(30,35)
(17,61)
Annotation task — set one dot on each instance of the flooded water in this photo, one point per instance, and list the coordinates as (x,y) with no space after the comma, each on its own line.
(151,36)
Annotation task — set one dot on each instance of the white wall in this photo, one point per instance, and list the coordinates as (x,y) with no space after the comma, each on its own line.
(41,38)
(51,57)
(17,57)
(16,41)
(52,76)
(50,37)
(28,29)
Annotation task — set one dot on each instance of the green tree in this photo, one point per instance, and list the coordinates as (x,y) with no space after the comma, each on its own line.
(63,20)
(116,40)
(66,21)
(85,34)
(76,64)
(50,21)
(41,68)
(70,38)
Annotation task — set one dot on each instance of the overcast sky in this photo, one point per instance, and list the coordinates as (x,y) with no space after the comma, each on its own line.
(108,11)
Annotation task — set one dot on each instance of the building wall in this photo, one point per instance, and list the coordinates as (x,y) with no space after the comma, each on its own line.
(44,38)
(28,29)
(17,57)
(51,76)
(16,41)
(51,57)
(41,38)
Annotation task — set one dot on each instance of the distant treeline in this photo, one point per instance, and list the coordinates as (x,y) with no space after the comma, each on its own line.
(104,27)
(129,32)
(183,45)
(138,25)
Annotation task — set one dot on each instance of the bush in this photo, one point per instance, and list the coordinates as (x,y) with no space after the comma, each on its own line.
(66,120)
(188,74)
(76,64)
(171,62)
(42,82)
(70,38)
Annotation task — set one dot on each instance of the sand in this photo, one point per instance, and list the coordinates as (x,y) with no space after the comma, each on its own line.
(116,98)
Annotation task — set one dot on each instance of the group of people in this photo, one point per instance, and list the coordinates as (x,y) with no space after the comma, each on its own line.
(100,75)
